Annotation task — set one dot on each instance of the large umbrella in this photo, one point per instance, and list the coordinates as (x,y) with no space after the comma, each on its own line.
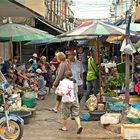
(18,32)
(133,27)
(97,28)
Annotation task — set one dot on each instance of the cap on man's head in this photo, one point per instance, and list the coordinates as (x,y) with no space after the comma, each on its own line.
(68,74)
(39,71)
(34,55)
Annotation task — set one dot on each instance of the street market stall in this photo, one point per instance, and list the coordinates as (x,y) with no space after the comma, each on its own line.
(117,85)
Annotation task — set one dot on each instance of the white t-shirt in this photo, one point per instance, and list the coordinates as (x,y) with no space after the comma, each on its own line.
(66,87)
(77,70)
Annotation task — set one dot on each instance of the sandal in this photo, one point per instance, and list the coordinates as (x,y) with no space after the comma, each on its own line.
(52,109)
(62,129)
(79,130)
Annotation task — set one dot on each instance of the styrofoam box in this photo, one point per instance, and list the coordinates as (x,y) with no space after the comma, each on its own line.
(134,99)
(110,118)
(130,131)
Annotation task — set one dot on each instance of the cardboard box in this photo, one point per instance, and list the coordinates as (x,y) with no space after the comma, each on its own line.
(134,99)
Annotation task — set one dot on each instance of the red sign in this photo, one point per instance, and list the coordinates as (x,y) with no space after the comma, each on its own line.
(63,9)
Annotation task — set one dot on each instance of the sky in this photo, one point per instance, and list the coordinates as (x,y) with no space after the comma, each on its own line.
(94,9)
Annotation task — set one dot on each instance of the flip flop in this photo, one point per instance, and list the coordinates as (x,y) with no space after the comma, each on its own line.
(79,130)
(52,109)
(62,129)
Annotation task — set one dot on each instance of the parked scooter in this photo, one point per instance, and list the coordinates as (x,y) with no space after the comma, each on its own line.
(11,126)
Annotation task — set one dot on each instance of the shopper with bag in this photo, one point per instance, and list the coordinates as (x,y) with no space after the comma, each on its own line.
(68,89)
(63,67)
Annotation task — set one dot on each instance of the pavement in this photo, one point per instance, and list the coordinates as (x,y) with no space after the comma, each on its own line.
(45,126)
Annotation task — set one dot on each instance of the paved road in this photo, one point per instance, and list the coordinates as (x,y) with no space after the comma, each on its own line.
(45,126)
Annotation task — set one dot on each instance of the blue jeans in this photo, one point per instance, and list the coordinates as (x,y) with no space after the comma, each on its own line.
(92,88)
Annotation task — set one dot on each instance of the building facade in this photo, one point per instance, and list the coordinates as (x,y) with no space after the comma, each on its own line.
(56,12)
(53,16)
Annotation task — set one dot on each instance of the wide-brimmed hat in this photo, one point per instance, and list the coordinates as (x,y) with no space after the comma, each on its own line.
(39,71)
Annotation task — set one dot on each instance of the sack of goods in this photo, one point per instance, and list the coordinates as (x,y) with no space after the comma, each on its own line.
(91,103)
(111,118)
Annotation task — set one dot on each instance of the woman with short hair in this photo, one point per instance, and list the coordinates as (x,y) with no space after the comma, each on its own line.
(63,67)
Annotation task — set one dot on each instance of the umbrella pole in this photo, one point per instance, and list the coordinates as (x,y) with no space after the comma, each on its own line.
(99,62)
(11,44)
(20,51)
(132,67)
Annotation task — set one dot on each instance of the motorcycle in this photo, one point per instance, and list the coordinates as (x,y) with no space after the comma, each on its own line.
(11,125)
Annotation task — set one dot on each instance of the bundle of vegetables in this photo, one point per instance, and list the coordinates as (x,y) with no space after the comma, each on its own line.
(115,99)
(22,108)
(114,82)
(109,93)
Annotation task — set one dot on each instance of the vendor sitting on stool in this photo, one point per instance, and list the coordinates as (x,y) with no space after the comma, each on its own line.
(41,85)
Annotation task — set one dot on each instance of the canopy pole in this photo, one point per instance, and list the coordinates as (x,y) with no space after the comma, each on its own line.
(99,62)
(127,73)
(20,51)
(11,44)
(132,67)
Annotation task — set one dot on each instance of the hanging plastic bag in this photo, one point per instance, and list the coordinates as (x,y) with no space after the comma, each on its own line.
(127,47)
(91,103)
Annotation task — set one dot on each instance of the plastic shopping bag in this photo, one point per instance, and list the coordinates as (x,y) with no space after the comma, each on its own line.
(91,103)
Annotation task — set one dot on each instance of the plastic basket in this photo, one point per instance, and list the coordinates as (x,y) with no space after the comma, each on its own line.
(29,102)
(115,107)
(133,120)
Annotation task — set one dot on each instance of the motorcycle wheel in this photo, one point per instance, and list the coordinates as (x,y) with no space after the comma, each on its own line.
(16,131)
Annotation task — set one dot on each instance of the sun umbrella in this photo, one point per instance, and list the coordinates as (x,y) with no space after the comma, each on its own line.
(119,38)
(133,27)
(98,28)
(18,32)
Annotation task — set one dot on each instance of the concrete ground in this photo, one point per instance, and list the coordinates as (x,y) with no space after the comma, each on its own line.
(45,126)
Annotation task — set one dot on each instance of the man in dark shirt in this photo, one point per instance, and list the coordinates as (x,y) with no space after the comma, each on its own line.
(6,66)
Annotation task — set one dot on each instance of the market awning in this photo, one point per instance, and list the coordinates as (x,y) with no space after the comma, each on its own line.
(10,8)
(54,29)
